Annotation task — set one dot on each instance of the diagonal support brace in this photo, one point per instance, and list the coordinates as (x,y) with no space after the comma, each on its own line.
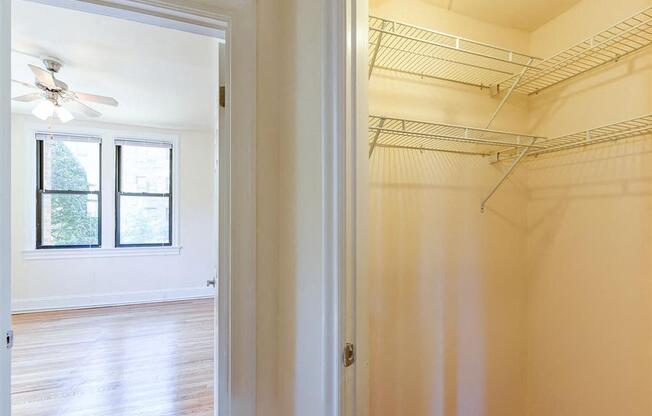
(509,93)
(523,152)
(375,140)
(505,176)
(372,64)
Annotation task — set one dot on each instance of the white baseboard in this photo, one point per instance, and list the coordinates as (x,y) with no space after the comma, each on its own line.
(114,299)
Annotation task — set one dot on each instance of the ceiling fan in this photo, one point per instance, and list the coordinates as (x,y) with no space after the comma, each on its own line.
(55,97)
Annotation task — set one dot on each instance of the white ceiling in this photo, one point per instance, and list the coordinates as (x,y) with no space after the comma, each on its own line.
(525,15)
(161,77)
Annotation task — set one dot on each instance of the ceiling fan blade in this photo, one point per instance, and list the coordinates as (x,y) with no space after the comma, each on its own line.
(25,84)
(28,98)
(43,76)
(81,108)
(96,99)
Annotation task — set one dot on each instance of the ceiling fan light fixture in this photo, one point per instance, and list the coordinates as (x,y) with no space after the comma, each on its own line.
(56,92)
(44,110)
(63,114)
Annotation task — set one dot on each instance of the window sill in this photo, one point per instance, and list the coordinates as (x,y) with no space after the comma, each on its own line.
(76,253)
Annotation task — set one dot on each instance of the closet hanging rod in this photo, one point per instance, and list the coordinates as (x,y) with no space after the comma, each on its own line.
(419,135)
(409,49)
(623,38)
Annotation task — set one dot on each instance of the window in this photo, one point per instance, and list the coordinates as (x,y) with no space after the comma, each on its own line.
(68,200)
(143,194)
(68,203)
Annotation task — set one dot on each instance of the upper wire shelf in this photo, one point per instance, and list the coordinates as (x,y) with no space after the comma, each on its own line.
(409,49)
(625,37)
(419,135)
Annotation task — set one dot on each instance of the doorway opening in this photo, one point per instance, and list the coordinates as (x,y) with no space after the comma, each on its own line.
(115,212)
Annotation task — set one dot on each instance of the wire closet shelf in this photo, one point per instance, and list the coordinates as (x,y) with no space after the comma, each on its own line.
(408,49)
(416,51)
(387,132)
(624,38)
(628,129)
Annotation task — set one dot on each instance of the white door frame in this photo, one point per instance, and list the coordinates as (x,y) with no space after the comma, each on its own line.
(345,111)
(358,192)
(235,348)
(333,79)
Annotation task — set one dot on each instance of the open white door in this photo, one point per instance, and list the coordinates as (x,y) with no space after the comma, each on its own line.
(5,185)
(222,284)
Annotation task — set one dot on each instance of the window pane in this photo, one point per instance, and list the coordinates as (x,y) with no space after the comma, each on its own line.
(145,169)
(71,166)
(144,220)
(69,220)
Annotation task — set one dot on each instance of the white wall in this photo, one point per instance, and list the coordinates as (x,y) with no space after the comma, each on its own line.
(267,196)
(301,308)
(590,235)
(52,283)
(447,294)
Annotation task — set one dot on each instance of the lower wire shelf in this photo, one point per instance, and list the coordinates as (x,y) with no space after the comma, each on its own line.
(397,133)
(636,127)
(387,132)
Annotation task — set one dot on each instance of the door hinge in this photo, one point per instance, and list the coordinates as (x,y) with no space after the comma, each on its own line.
(348,356)
(222,96)
(10,339)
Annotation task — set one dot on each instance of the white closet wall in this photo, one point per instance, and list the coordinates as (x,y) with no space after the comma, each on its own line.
(447,288)
(590,235)
(541,306)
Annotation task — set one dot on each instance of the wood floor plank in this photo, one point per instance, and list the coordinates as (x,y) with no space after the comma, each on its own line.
(138,360)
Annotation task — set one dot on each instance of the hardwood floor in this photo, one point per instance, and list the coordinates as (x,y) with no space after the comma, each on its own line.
(144,360)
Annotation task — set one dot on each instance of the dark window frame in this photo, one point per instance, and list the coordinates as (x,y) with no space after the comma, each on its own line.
(119,194)
(40,191)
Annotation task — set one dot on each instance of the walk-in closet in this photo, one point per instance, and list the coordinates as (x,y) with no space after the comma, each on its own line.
(510,208)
